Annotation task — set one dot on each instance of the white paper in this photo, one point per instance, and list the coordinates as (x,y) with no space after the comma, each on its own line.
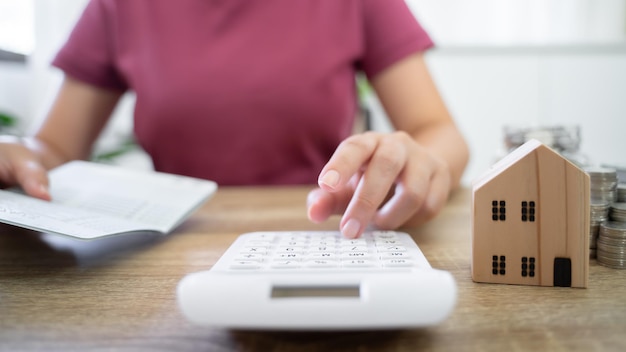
(91,200)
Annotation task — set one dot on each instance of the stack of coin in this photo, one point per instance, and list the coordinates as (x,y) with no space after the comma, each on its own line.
(611,244)
(621,192)
(603,192)
(599,214)
(603,184)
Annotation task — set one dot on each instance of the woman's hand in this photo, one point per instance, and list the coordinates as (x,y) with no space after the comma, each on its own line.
(80,110)
(20,166)
(384,179)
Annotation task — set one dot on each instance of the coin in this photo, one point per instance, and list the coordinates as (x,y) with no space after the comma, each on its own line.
(611,244)
(602,183)
(617,212)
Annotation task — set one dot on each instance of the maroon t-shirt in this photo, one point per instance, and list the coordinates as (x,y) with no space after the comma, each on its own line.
(240,91)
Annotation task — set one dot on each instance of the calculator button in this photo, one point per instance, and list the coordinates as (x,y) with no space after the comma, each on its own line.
(323,243)
(397,263)
(357,242)
(322,255)
(382,235)
(290,249)
(250,256)
(354,255)
(323,235)
(354,248)
(322,249)
(391,249)
(292,243)
(285,264)
(394,255)
(289,256)
(381,242)
(322,263)
(263,237)
(295,237)
(257,243)
(358,263)
(245,265)
(257,250)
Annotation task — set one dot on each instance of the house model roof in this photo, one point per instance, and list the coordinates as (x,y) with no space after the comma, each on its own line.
(510,159)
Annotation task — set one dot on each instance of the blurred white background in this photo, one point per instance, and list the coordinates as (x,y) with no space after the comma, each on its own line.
(497,63)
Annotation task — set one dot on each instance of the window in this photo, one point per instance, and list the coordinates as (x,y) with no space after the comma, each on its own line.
(17,30)
(528,211)
(498,210)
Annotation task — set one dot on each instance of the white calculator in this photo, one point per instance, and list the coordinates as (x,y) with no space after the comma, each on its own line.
(319,281)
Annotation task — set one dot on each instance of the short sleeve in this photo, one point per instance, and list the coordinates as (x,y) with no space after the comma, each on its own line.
(89,53)
(391,32)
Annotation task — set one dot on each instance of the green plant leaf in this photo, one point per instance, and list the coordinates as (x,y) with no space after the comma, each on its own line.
(7,120)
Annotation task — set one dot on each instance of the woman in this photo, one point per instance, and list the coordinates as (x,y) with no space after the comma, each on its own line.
(258,92)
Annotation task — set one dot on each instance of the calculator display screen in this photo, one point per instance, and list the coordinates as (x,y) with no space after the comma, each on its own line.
(315,291)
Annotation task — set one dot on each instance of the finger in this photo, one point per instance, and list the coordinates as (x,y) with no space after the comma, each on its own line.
(322,204)
(33,179)
(349,157)
(416,203)
(382,172)
(404,204)
(409,195)
(437,196)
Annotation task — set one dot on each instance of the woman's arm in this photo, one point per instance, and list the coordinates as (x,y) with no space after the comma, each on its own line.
(413,104)
(74,122)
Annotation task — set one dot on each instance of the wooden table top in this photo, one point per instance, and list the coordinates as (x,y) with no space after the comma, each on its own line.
(61,294)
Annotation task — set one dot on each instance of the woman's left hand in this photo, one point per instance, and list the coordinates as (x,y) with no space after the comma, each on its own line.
(384,179)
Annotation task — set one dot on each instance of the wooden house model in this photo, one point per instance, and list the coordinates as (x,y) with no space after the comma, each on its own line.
(530,220)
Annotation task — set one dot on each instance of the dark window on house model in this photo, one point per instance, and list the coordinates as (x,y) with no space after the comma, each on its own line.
(498,265)
(498,210)
(528,211)
(528,266)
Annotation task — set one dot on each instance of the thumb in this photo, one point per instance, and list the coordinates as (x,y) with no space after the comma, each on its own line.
(33,178)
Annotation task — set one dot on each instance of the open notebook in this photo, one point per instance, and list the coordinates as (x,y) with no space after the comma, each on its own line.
(91,200)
